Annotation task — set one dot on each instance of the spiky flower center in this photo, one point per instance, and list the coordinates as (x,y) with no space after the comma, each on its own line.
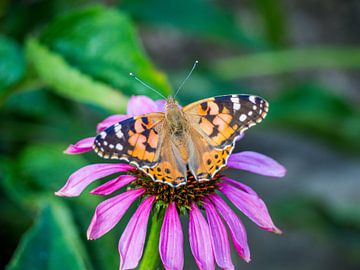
(184,195)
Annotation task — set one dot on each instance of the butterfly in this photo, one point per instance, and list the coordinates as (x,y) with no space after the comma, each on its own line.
(196,139)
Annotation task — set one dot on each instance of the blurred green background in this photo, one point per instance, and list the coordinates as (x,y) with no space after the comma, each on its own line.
(64,67)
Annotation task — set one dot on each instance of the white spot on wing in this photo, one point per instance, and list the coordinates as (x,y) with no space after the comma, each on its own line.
(252,99)
(117,127)
(235,100)
(119,147)
(236,106)
(119,134)
(242,117)
(103,135)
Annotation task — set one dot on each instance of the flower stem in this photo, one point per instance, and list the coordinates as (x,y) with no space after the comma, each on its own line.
(151,255)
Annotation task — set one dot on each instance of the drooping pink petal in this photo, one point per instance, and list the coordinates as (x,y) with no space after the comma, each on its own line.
(171,243)
(140,105)
(113,185)
(248,202)
(111,120)
(109,212)
(237,230)
(256,163)
(161,105)
(200,239)
(239,185)
(131,244)
(219,237)
(83,177)
(82,146)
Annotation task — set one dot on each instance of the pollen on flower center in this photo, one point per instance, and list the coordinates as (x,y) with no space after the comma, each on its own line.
(184,195)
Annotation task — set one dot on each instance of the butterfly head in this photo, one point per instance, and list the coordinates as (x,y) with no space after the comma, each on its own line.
(171,103)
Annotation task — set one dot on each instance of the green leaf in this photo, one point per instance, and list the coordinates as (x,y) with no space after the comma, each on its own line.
(102,43)
(69,82)
(273,18)
(40,170)
(278,62)
(47,165)
(12,64)
(319,112)
(52,243)
(197,17)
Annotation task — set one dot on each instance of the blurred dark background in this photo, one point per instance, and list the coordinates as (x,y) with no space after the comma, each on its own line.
(64,67)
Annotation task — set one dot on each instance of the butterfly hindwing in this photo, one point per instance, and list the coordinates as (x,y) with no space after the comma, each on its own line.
(170,168)
(222,119)
(136,140)
(205,160)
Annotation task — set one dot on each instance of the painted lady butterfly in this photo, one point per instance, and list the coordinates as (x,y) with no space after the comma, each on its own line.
(198,138)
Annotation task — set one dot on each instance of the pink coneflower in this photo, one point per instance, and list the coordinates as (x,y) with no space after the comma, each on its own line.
(208,235)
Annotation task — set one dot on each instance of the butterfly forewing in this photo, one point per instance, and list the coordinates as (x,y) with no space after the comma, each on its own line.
(222,119)
(136,140)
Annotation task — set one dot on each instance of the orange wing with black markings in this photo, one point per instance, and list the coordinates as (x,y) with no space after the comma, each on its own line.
(144,141)
(201,139)
(216,123)
(171,168)
(222,119)
(205,160)
(136,140)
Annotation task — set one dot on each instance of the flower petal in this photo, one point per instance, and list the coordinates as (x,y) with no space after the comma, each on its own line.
(200,239)
(140,105)
(113,185)
(111,120)
(161,105)
(171,243)
(109,212)
(237,230)
(131,244)
(248,202)
(82,146)
(239,185)
(80,179)
(256,163)
(219,237)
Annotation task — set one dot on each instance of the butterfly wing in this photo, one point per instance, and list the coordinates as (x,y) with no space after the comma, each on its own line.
(216,123)
(170,168)
(143,141)
(206,160)
(136,140)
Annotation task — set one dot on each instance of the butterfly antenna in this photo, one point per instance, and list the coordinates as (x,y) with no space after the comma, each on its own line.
(146,85)
(187,77)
